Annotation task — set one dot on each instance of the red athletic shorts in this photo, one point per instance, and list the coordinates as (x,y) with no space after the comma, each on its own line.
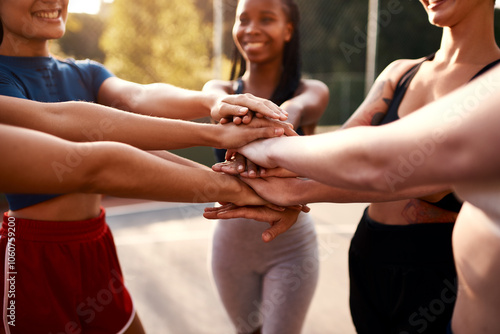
(62,278)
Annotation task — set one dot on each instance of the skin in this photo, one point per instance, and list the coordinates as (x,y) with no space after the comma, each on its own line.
(454,132)
(28,26)
(467,45)
(81,121)
(260,32)
(111,168)
(27,30)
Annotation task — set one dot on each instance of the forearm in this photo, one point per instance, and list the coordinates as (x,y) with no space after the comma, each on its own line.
(158,99)
(107,167)
(141,175)
(437,144)
(178,159)
(82,121)
(311,191)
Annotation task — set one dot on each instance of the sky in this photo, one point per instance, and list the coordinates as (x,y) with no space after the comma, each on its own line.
(86,6)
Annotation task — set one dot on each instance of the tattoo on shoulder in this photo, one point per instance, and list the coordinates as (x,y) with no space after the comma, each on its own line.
(376,91)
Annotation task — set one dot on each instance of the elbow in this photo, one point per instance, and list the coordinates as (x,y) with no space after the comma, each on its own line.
(92,168)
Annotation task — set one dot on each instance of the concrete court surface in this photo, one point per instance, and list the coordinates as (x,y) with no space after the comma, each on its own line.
(164,252)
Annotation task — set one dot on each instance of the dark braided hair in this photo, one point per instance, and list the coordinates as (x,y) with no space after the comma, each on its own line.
(292,64)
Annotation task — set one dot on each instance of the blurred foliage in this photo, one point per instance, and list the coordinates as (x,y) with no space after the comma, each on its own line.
(80,41)
(158,41)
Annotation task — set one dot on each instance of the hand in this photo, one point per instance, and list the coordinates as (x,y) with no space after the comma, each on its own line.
(255,151)
(239,165)
(277,190)
(232,135)
(239,105)
(280,221)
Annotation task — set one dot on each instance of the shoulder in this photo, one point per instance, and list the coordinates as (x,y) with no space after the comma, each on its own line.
(313,86)
(86,64)
(224,85)
(395,70)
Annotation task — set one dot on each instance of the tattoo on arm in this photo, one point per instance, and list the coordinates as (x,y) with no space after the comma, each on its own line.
(376,92)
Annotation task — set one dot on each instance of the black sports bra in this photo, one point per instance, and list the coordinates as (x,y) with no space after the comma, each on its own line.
(449,202)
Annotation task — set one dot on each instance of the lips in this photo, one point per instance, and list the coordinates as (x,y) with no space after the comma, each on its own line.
(435,3)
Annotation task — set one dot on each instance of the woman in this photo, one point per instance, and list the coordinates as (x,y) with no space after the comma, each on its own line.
(28,71)
(360,158)
(267,288)
(400,259)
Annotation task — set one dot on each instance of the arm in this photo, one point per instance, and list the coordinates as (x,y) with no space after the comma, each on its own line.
(82,121)
(295,191)
(442,143)
(280,221)
(306,108)
(376,103)
(109,168)
(164,100)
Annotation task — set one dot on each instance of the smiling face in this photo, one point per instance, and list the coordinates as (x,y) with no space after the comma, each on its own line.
(261,29)
(447,13)
(34,19)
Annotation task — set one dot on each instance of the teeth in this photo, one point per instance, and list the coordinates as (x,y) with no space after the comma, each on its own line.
(254,45)
(48,15)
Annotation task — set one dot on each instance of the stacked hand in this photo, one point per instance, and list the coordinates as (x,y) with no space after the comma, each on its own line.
(272,184)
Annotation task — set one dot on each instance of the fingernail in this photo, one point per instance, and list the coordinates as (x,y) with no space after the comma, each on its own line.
(266,236)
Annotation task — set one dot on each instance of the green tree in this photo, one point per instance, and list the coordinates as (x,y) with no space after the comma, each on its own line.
(158,41)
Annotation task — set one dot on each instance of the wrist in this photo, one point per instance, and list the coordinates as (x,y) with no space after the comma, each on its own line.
(210,102)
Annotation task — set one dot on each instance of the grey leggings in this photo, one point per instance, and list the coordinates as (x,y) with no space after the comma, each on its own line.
(268,285)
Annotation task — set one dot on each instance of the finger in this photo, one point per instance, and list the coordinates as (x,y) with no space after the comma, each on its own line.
(306,208)
(230,153)
(225,120)
(275,207)
(230,168)
(237,120)
(247,119)
(251,169)
(263,133)
(238,212)
(240,163)
(263,106)
(289,131)
(218,167)
(272,232)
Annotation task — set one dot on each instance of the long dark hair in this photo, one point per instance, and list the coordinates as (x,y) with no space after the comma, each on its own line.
(292,64)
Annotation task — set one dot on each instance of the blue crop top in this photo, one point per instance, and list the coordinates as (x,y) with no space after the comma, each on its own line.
(47,79)
(449,202)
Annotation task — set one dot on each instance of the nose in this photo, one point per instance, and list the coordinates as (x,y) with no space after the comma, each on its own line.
(251,28)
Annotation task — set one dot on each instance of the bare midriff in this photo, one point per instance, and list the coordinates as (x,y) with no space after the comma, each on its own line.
(71,207)
(410,211)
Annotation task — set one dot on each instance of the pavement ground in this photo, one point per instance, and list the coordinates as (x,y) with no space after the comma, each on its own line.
(164,251)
